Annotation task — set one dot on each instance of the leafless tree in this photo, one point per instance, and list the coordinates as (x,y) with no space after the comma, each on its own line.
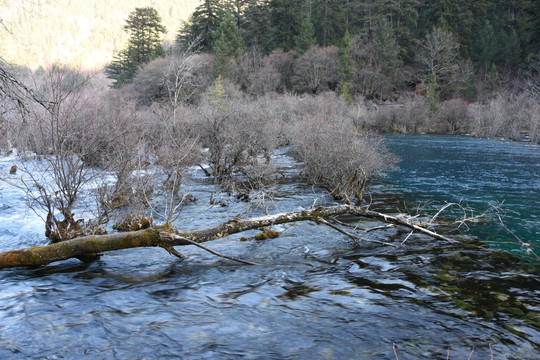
(456,112)
(246,66)
(316,70)
(183,74)
(507,115)
(63,135)
(438,55)
(14,90)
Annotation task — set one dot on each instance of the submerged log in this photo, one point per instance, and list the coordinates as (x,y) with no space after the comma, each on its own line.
(167,237)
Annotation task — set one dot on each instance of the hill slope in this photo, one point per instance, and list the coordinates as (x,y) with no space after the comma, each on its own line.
(80,33)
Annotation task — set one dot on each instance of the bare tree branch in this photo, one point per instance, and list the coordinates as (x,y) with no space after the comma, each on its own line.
(168,238)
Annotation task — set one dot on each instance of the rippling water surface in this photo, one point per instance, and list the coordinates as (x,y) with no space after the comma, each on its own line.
(476,172)
(319,297)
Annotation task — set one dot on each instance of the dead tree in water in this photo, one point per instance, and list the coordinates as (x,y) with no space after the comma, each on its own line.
(168,237)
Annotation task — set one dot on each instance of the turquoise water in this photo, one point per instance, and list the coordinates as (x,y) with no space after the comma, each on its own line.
(478,172)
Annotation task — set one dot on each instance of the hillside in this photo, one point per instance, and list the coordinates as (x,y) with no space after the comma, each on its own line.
(80,33)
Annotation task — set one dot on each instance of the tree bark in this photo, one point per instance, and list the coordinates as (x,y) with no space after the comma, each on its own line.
(167,237)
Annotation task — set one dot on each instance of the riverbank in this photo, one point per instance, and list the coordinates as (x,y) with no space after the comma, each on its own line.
(516,118)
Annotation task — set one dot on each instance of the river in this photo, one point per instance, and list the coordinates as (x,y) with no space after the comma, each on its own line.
(319,297)
(477,173)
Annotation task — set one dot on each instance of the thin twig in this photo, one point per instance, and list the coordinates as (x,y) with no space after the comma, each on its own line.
(470,355)
(352,236)
(525,245)
(407,238)
(357,227)
(178,237)
(382,227)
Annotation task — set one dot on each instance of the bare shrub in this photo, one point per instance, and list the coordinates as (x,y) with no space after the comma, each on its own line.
(369,78)
(531,78)
(9,118)
(235,131)
(124,131)
(170,149)
(188,76)
(274,73)
(508,116)
(413,117)
(372,83)
(456,113)
(150,82)
(218,125)
(334,155)
(316,70)
(244,68)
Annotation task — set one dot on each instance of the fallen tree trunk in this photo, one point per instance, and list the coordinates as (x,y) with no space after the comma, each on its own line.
(167,237)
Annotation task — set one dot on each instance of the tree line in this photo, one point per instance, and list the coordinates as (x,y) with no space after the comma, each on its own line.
(371,48)
(295,25)
(450,93)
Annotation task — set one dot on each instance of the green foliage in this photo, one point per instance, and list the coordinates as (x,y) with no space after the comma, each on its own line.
(468,89)
(256,25)
(387,49)
(509,50)
(485,47)
(345,69)
(218,96)
(403,15)
(433,92)
(330,20)
(144,28)
(306,38)
(202,25)
(286,19)
(532,27)
(228,45)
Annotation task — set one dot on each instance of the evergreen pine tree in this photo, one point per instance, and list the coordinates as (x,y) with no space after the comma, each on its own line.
(346,68)
(485,47)
(286,20)
(403,15)
(228,45)
(388,53)
(533,28)
(217,96)
(202,25)
(144,28)
(510,50)
(306,37)
(330,20)
(256,25)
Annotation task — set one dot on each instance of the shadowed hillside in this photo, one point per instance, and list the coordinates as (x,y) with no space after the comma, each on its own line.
(77,32)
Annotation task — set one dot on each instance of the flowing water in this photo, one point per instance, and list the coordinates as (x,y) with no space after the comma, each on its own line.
(477,173)
(319,297)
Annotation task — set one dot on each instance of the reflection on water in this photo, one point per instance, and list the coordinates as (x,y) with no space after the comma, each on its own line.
(319,298)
